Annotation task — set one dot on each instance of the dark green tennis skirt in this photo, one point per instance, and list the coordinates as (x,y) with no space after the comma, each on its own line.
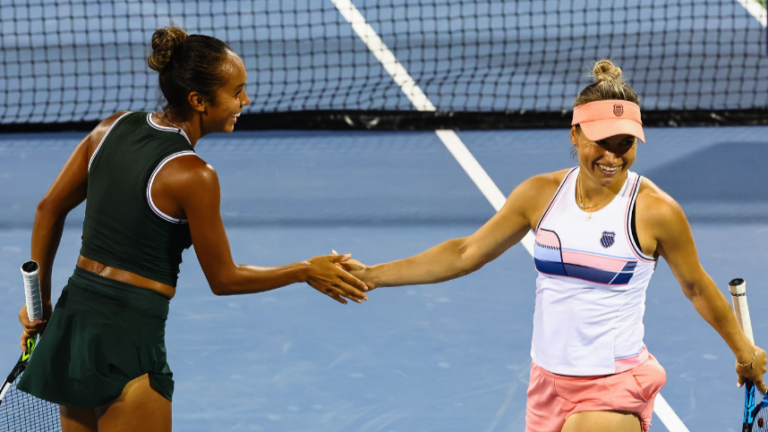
(102,334)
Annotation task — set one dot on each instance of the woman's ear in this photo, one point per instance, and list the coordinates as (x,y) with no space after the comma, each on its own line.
(574,135)
(197,101)
(575,131)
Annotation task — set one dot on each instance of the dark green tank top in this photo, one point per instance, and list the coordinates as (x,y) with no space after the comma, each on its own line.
(123,228)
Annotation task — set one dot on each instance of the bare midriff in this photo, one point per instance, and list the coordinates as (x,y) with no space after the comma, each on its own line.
(124,276)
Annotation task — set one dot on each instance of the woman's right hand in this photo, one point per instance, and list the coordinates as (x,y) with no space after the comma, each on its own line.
(326,276)
(356,269)
(753,369)
(30,328)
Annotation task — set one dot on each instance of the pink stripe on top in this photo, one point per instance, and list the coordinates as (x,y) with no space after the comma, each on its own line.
(594,261)
(547,238)
(628,363)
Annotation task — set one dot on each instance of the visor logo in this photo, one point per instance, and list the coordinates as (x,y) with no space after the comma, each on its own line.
(607,239)
(618,110)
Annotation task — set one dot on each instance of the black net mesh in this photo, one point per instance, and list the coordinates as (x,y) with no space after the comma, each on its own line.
(82,60)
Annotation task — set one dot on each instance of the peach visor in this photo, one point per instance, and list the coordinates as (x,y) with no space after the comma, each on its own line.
(607,118)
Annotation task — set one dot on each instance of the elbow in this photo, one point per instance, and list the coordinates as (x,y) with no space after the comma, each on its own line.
(47,209)
(223,278)
(470,267)
(690,291)
(221,287)
(219,290)
(44,208)
(469,261)
(693,289)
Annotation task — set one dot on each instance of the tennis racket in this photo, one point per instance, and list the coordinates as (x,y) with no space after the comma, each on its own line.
(755,415)
(21,411)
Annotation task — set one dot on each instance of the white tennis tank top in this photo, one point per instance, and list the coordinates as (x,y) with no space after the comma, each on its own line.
(590,292)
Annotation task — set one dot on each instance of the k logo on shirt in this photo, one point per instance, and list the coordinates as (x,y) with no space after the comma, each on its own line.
(607,239)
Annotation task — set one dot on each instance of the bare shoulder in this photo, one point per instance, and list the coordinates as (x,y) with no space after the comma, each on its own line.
(543,184)
(189,170)
(656,206)
(531,198)
(97,134)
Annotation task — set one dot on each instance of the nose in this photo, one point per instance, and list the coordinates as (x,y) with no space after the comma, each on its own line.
(612,156)
(247,100)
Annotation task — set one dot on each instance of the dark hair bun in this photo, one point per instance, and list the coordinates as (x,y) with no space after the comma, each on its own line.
(605,70)
(164,42)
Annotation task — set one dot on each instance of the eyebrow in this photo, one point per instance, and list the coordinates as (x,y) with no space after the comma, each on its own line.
(239,86)
(626,140)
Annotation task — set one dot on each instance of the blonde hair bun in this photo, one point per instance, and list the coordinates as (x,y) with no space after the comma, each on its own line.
(605,70)
(164,41)
(608,85)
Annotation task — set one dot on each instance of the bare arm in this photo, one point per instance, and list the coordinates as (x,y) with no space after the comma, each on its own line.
(675,243)
(461,256)
(67,192)
(194,185)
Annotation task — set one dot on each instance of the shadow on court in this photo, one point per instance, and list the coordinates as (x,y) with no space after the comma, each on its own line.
(725,183)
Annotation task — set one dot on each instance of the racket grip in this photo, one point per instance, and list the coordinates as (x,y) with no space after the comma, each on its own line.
(749,405)
(30,271)
(738,289)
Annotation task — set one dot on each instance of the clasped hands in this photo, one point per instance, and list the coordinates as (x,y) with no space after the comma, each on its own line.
(339,277)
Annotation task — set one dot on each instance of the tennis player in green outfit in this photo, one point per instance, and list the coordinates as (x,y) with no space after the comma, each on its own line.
(148,197)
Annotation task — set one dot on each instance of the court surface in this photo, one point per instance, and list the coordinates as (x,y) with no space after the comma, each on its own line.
(449,357)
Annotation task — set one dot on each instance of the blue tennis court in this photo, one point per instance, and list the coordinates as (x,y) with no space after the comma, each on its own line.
(449,357)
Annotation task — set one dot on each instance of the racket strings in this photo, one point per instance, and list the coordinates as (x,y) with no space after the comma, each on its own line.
(22,412)
(761,420)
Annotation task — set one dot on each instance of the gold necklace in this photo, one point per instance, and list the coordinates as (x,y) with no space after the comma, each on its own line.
(161,116)
(580,199)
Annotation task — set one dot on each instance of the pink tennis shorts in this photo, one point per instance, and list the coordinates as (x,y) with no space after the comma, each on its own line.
(553,398)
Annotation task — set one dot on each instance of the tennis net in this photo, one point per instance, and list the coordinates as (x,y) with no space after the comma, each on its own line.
(70,62)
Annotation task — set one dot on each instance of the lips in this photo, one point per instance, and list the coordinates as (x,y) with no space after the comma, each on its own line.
(609,169)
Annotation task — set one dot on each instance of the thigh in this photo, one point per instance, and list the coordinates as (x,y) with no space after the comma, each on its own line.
(602,421)
(77,419)
(139,407)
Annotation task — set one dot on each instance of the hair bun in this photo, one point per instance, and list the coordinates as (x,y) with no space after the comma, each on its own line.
(164,41)
(605,70)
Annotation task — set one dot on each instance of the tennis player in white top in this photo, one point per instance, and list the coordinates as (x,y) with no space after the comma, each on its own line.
(599,230)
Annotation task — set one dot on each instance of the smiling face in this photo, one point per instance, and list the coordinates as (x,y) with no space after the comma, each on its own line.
(606,161)
(220,115)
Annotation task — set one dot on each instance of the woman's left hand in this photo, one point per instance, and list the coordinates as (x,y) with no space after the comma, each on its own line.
(753,369)
(31,329)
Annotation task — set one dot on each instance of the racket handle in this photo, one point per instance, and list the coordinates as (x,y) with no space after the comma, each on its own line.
(30,271)
(749,406)
(738,288)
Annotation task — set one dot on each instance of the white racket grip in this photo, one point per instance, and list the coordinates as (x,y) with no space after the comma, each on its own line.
(738,288)
(30,271)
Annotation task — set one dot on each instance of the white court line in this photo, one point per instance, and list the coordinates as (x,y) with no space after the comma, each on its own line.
(459,151)
(756,10)
(478,175)
(667,415)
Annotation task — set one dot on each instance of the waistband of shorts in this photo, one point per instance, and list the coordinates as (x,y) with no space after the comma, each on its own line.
(549,374)
(132,296)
